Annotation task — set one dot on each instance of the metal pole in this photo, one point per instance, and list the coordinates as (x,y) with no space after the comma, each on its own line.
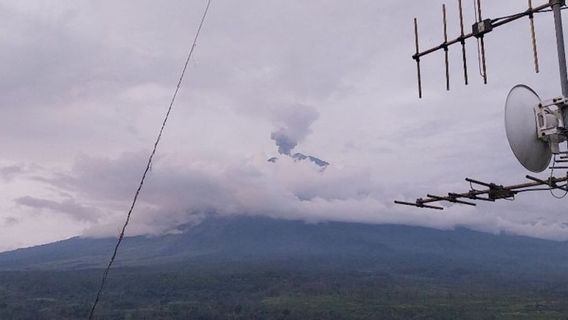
(556,8)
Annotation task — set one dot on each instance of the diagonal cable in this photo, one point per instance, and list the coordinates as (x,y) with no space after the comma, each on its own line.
(149,163)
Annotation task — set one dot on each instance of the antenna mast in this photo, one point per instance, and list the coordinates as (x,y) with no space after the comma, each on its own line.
(556,9)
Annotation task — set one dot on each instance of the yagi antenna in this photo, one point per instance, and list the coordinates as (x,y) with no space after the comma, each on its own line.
(479,29)
(489,192)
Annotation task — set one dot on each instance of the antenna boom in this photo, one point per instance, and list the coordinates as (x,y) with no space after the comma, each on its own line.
(492,191)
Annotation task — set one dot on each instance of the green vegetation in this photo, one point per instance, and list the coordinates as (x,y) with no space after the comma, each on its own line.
(234,293)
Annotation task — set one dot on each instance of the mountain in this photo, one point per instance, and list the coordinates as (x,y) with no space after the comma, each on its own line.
(302,157)
(330,245)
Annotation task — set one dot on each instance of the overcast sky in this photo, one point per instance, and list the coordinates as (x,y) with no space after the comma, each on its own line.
(84,86)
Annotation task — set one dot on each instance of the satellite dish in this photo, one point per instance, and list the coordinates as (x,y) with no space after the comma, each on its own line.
(521,127)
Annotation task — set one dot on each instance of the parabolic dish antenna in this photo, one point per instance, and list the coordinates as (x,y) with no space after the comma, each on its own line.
(520,123)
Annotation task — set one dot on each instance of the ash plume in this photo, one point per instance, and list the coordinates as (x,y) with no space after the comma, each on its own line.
(284,142)
(294,122)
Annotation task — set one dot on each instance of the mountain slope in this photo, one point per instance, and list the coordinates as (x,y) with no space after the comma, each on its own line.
(348,246)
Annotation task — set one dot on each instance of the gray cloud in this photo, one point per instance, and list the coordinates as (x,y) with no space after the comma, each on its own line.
(68,207)
(10,221)
(9,172)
